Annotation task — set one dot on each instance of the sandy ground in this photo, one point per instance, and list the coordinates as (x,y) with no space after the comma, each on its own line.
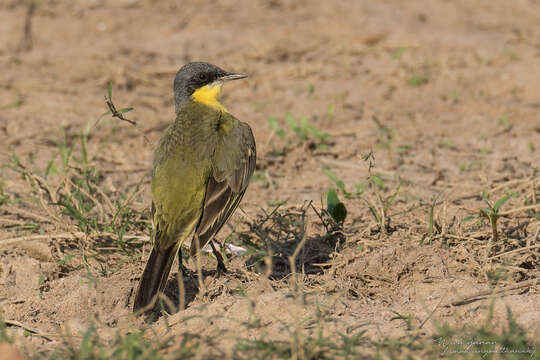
(445,95)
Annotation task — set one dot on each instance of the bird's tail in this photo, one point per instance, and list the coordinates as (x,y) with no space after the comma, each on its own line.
(154,277)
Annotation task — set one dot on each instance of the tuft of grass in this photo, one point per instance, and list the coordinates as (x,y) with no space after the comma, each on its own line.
(378,208)
(83,201)
(299,131)
(405,317)
(454,95)
(261,176)
(398,53)
(131,346)
(467,342)
(317,346)
(19,101)
(358,190)
(418,80)
(504,122)
(511,53)
(385,134)
(483,342)
(273,237)
(72,195)
(4,337)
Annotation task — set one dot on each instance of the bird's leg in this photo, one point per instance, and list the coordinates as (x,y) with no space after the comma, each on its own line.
(221,268)
(181,268)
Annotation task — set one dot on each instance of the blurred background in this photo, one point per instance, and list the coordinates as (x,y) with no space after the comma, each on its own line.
(419,114)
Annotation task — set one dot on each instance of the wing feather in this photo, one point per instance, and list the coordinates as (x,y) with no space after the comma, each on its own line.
(233,166)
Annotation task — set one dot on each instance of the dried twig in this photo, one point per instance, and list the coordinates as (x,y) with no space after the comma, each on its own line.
(125,169)
(91,197)
(26,214)
(119,113)
(516,251)
(11,222)
(353,165)
(115,113)
(138,190)
(39,181)
(462,300)
(68,235)
(104,196)
(524,208)
(30,329)
(25,44)
(456,237)
(506,184)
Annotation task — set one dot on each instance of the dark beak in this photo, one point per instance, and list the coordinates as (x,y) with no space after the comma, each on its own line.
(231,76)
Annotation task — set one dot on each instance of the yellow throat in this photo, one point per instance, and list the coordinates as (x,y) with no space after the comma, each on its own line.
(208,95)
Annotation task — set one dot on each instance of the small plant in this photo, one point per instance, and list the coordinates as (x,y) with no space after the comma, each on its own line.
(330,113)
(335,207)
(336,180)
(397,53)
(299,127)
(385,134)
(418,80)
(125,346)
(119,113)
(18,102)
(274,125)
(511,53)
(105,217)
(377,184)
(504,122)
(491,212)
(303,131)
(359,188)
(454,95)
(64,151)
(260,176)
(380,212)
(304,346)
(112,108)
(3,333)
(511,343)
(408,319)
(302,128)
(531,212)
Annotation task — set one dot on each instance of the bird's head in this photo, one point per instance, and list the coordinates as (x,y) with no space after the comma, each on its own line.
(201,82)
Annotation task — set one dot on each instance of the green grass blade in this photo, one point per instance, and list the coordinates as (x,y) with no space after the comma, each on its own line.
(125,110)
(378,181)
(110,91)
(501,202)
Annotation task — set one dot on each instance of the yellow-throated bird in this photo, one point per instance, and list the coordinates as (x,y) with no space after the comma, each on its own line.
(201,170)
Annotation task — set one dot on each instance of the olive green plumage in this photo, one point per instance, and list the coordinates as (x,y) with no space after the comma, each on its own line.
(201,170)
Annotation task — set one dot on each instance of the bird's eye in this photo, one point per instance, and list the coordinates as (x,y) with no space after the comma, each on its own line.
(202,77)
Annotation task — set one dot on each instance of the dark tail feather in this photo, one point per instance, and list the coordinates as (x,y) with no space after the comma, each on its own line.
(154,277)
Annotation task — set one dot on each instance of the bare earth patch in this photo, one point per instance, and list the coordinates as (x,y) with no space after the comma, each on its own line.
(422,116)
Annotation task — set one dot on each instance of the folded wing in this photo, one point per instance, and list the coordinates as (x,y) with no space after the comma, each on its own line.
(234,163)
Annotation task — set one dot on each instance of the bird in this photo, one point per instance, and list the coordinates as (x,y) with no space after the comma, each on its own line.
(201,170)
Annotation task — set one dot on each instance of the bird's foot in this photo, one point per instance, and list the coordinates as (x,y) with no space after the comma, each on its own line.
(221,268)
